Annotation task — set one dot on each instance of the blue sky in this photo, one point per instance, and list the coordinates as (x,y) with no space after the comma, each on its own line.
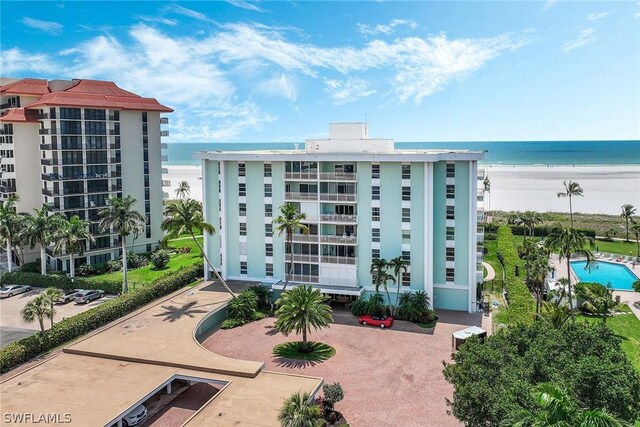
(281,71)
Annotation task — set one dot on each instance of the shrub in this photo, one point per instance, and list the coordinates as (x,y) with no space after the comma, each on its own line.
(231,323)
(114,265)
(68,329)
(243,306)
(262,292)
(58,281)
(521,305)
(160,258)
(636,286)
(32,267)
(135,260)
(93,269)
(414,307)
(182,250)
(359,307)
(375,304)
(333,394)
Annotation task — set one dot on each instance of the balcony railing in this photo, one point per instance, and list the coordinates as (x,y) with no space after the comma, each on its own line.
(43,116)
(44,131)
(164,158)
(114,160)
(58,177)
(164,145)
(52,193)
(340,240)
(348,219)
(164,133)
(345,260)
(301,175)
(7,189)
(114,131)
(164,120)
(304,258)
(48,162)
(305,238)
(338,176)
(114,145)
(338,197)
(300,196)
(166,183)
(305,278)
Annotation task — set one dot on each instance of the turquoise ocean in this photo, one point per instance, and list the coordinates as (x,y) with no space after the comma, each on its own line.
(554,153)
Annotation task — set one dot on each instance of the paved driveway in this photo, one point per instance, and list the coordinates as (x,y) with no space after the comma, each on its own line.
(391,377)
(13,328)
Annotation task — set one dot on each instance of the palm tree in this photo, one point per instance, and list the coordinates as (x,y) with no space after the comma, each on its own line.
(301,309)
(627,213)
(9,225)
(557,408)
(40,229)
(289,221)
(635,228)
(565,242)
(37,308)
(184,216)
(570,190)
(554,313)
(72,236)
(120,216)
(529,220)
(598,300)
(51,296)
(299,411)
(380,277)
(399,266)
(184,190)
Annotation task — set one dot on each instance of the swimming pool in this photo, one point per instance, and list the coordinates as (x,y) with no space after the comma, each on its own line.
(606,273)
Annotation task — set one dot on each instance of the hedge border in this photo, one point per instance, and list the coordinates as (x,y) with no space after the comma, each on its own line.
(58,281)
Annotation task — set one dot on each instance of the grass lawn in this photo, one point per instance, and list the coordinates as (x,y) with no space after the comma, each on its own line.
(289,350)
(617,247)
(145,275)
(627,327)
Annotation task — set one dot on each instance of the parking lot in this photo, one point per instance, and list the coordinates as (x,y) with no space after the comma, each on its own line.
(13,328)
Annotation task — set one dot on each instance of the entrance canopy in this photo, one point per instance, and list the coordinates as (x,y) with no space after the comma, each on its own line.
(325,289)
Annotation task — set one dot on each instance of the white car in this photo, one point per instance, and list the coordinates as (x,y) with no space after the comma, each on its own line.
(11,290)
(135,417)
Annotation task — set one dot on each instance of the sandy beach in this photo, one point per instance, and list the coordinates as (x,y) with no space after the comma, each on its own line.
(606,188)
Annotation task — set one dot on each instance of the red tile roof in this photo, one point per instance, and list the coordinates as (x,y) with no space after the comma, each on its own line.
(19,115)
(99,87)
(25,87)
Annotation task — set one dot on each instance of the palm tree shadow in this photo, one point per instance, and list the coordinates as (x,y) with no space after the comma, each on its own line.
(283,362)
(271,330)
(173,313)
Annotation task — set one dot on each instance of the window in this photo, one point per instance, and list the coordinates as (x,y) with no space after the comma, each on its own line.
(406,193)
(144,116)
(267,169)
(375,171)
(375,214)
(451,252)
(268,249)
(406,278)
(375,234)
(450,275)
(406,236)
(451,170)
(243,209)
(242,189)
(451,212)
(406,255)
(148,233)
(243,267)
(267,190)
(243,228)
(451,233)
(406,171)
(451,191)
(241,169)
(268,210)
(375,253)
(375,192)
(406,215)
(269,269)
(268,230)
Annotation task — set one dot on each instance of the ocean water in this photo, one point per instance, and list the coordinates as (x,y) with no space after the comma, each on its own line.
(556,153)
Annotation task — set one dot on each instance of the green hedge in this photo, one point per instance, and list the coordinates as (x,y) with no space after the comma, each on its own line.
(58,281)
(82,323)
(539,230)
(521,307)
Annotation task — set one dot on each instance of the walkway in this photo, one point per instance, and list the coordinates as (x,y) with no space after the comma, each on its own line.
(491,273)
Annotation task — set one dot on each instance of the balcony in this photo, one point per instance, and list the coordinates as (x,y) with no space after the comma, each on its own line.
(301,176)
(338,197)
(164,120)
(339,219)
(300,196)
(344,260)
(166,183)
(48,162)
(112,117)
(48,192)
(7,189)
(481,216)
(44,131)
(338,176)
(43,116)
(114,145)
(164,145)
(305,238)
(58,177)
(305,278)
(114,160)
(164,158)
(114,131)
(304,258)
(339,240)
(164,133)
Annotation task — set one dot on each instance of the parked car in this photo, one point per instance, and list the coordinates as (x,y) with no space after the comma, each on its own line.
(69,295)
(135,417)
(381,320)
(11,290)
(85,297)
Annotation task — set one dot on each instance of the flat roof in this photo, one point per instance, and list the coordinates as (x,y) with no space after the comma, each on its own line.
(431,155)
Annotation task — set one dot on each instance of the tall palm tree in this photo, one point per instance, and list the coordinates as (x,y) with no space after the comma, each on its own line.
(565,242)
(289,221)
(300,411)
(184,216)
(9,226)
(557,408)
(301,309)
(51,296)
(529,220)
(399,265)
(635,228)
(570,190)
(627,213)
(184,190)
(37,308)
(120,216)
(72,236)
(40,229)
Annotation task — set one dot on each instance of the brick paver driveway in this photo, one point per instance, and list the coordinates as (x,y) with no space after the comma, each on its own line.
(391,377)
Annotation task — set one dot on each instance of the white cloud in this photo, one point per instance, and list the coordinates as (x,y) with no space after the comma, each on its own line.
(343,92)
(597,16)
(585,36)
(387,29)
(548,5)
(46,26)
(158,20)
(245,5)
(14,61)
(280,85)
(180,10)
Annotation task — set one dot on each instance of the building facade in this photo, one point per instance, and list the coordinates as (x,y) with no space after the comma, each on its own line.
(73,144)
(363,200)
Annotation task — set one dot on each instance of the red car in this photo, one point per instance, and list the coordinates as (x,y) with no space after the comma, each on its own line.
(381,320)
